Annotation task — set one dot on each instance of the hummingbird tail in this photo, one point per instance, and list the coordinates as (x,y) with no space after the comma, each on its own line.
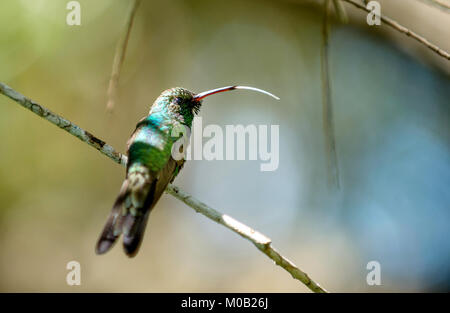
(133,232)
(129,214)
(134,222)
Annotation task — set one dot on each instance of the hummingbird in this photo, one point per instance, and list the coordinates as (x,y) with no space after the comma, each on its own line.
(151,165)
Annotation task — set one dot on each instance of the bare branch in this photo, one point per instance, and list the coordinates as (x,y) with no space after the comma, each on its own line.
(259,240)
(119,57)
(392,23)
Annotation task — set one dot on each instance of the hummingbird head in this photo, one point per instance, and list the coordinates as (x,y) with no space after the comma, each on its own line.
(180,101)
(185,103)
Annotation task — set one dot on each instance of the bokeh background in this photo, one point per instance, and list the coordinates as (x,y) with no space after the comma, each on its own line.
(391,112)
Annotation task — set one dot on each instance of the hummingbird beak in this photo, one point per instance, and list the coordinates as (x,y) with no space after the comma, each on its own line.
(205,94)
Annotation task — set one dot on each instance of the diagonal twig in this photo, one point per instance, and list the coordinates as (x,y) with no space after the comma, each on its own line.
(119,57)
(394,24)
(262,242)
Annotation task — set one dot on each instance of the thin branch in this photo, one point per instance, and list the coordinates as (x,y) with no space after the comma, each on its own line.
(327,106)
(119,57)
(392,23)
(259,240)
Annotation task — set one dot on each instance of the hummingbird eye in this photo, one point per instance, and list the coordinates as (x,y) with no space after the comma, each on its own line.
(178,100)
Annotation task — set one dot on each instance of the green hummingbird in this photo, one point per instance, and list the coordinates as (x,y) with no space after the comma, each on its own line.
(151,165)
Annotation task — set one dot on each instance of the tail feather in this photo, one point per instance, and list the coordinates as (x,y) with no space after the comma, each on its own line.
(129,215)
(133,239)
(134,224)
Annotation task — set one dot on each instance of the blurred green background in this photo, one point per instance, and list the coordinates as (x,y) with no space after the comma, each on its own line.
(392,133)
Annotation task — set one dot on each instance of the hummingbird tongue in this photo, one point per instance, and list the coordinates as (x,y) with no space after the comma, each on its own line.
(205,94)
